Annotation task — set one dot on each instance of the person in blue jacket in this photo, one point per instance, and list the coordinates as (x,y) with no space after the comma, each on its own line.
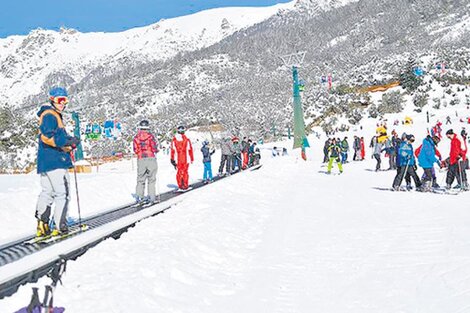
(406,163)
(206,159)
(427,158)
(53,162)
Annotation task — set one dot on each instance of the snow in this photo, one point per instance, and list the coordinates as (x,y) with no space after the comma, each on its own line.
(285,238)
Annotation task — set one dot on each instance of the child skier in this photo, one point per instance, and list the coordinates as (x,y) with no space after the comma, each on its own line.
(181,147)
(334,151)
(427,158)
(406,163)
(206,159)
(145,147)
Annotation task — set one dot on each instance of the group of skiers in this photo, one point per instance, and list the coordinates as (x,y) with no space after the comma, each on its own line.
(55,159)
(235,156)
(405,159)
(336,150)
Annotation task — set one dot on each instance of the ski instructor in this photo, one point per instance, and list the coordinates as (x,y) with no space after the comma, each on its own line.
(181,145)
(53,162)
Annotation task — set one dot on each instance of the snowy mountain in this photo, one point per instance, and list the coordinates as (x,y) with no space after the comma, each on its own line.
(238,80)
(26,61)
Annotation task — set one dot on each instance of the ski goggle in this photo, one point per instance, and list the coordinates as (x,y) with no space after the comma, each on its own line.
(60,100)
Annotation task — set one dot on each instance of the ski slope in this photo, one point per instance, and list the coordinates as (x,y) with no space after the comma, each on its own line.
(285,238)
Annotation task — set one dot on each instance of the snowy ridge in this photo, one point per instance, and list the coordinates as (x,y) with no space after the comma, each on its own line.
(27,60)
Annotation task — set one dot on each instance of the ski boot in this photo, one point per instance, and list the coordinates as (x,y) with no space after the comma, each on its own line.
(60,232)
(42,230)
(409,187)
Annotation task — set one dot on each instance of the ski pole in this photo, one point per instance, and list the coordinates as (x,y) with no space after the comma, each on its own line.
(404,173)
(460,175)
(78,197)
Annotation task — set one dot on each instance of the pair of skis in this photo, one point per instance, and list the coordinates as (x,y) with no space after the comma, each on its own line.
(49,238)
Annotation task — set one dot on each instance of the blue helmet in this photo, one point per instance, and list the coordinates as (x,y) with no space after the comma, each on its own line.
(58,92)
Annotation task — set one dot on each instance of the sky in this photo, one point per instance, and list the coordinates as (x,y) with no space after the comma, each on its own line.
(20,17)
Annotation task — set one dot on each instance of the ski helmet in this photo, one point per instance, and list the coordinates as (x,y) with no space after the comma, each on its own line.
(144,124)
(58,95)
(181,129)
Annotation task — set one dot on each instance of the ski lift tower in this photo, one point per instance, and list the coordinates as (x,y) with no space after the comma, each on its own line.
(294,61)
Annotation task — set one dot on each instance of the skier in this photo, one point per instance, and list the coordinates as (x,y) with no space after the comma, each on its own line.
(206,159)
(245,150)
(236,155)
(145,147)
(377,150)
(357,148)
(427,158)
(53,162)
(406,163)
(226,157)
(344,150)
(325,150)
(256,154)
(334,151)
(438,155)
(448,121)
(182,146)
(363,149)
(464,162)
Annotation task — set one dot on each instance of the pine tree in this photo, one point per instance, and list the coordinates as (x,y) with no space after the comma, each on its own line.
(408,80)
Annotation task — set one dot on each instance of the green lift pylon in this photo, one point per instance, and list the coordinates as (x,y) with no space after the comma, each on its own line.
(76,133)
(300,138)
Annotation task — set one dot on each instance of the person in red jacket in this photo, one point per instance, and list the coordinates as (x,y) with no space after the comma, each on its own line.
(145,147)
(455,158)
(182,146)
(363,149)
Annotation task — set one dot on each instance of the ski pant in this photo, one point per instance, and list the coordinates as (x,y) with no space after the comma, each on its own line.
(406,170)
(245,160)
(325,156)
(182,176)
(55,186)
(457,170)
(236,162)
(428,176)
(357,154)
(377,157)
(147,169)
(224,161)
(392,161)
(330,164)
(344,157)
(207,171)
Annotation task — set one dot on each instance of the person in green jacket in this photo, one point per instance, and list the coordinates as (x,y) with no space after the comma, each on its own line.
(334,151)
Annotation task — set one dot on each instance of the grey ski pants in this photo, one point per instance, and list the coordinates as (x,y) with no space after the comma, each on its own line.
(147,169)
(55,188)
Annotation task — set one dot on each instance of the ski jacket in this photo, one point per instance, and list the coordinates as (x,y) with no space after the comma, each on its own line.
(344,146)
(377,148)
(181,146)
(427,153)
(455,150)
(53,152)
(334,150)
(406,155)
(145,145)
(226,147)
(206,154)
(357,143)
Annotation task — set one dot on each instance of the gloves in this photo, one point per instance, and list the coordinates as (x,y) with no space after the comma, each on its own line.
(173,162)
(72,142)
